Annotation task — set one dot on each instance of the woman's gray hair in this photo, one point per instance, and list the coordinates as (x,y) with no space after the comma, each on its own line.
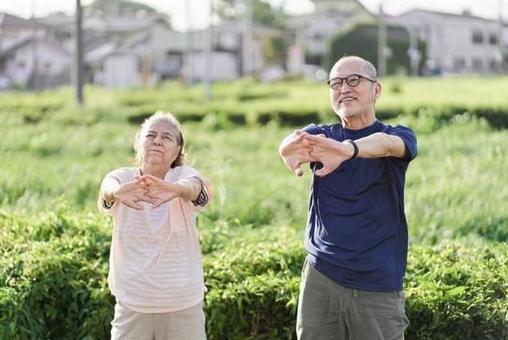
(164,117)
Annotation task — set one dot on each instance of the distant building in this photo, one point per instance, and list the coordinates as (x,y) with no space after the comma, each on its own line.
(309,34)
(28,58)
(455,43)
(133,50)
(128,52)
(227,58)
(14,29)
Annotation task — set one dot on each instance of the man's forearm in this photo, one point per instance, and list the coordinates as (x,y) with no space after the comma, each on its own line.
(380,144)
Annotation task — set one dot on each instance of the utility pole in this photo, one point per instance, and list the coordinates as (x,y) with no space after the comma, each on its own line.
(413,53)
(188,44)
(78,77)
(500,64)
(207,76)
(34,79)
(381,43)
(247,61)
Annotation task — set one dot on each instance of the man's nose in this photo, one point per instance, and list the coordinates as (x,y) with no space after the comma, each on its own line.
(345,87)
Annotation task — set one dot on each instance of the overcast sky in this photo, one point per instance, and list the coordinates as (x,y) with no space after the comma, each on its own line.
(199,8)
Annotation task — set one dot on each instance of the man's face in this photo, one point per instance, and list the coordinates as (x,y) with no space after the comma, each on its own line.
(347,100)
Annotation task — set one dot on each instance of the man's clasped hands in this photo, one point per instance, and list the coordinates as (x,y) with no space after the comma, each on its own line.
(302,147)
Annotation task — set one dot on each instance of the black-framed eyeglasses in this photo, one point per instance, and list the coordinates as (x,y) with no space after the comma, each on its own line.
(352,81)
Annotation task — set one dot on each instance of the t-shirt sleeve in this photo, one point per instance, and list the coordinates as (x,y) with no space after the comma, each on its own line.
(122,175)
(205,187)
(408,137)
(314,129)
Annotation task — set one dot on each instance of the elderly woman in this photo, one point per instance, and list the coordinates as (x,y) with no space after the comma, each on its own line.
(156,273)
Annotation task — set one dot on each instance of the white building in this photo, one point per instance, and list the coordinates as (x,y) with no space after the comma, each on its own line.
(455,43)
(35,63)
(28,57)
(310,33)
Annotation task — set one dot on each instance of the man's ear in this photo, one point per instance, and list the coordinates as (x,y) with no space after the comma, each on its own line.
(377,90)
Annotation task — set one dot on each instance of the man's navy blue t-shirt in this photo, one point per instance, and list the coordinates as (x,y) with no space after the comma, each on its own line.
(356,230)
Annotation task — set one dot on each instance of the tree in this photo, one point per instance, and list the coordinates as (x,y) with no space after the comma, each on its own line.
(262,12)
(362,41)
(124,7)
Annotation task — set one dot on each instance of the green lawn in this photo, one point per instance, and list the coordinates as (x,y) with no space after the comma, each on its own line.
(54,155)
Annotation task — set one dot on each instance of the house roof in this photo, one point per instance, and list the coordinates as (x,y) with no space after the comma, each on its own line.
(302,20)
(108,23)
(26,41)
(8,21)
(465,15)
(334,1)
(15,46)
(110,47)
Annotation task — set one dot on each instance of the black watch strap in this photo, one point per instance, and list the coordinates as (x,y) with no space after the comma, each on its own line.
(355,148)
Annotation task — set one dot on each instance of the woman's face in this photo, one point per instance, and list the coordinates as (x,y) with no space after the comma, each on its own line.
(159,143)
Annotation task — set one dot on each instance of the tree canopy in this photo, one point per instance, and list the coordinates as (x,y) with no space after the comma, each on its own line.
(125,7)
(262,12)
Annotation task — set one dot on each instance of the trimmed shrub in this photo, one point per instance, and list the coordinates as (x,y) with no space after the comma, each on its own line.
(53,283)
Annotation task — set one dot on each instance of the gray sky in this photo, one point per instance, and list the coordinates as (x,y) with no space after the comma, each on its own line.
(199,8)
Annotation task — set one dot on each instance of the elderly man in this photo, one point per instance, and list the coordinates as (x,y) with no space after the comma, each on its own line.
(356,235)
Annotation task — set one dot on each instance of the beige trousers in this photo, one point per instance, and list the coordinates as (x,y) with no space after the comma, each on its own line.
(187,324)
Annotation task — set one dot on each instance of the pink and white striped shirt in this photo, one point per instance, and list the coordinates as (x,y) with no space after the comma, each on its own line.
(155,258)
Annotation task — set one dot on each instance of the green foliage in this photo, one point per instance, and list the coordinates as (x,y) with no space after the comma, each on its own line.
(362,41)
(53,282)
(125,7)
(54,247)
(458,292)
(262,12)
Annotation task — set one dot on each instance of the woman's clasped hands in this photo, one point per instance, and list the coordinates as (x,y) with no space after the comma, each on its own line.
(148,189)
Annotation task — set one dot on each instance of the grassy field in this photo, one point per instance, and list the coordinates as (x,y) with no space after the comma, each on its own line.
(54,155)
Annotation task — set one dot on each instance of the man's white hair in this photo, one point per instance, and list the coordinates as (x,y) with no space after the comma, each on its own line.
(367,67)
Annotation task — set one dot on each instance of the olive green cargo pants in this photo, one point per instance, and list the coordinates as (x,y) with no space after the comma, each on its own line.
(328,311)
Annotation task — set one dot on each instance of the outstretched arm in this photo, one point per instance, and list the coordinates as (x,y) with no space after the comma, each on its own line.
(295,151)
(332,153)
(188,189)
(130,193)
(381,144)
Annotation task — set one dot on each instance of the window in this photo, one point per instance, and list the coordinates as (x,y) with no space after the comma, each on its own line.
(493,39)
(477,64)
(493,65)
(477,37)
(459,63)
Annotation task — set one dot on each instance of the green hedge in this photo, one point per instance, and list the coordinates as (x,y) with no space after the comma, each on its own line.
(53,283)
(246,102)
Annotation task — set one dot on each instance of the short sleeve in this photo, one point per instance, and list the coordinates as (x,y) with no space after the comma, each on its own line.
(205,191)
(408,137)
(314,129)
(122,175)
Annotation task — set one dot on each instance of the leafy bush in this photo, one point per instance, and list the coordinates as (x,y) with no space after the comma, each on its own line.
(53,282)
